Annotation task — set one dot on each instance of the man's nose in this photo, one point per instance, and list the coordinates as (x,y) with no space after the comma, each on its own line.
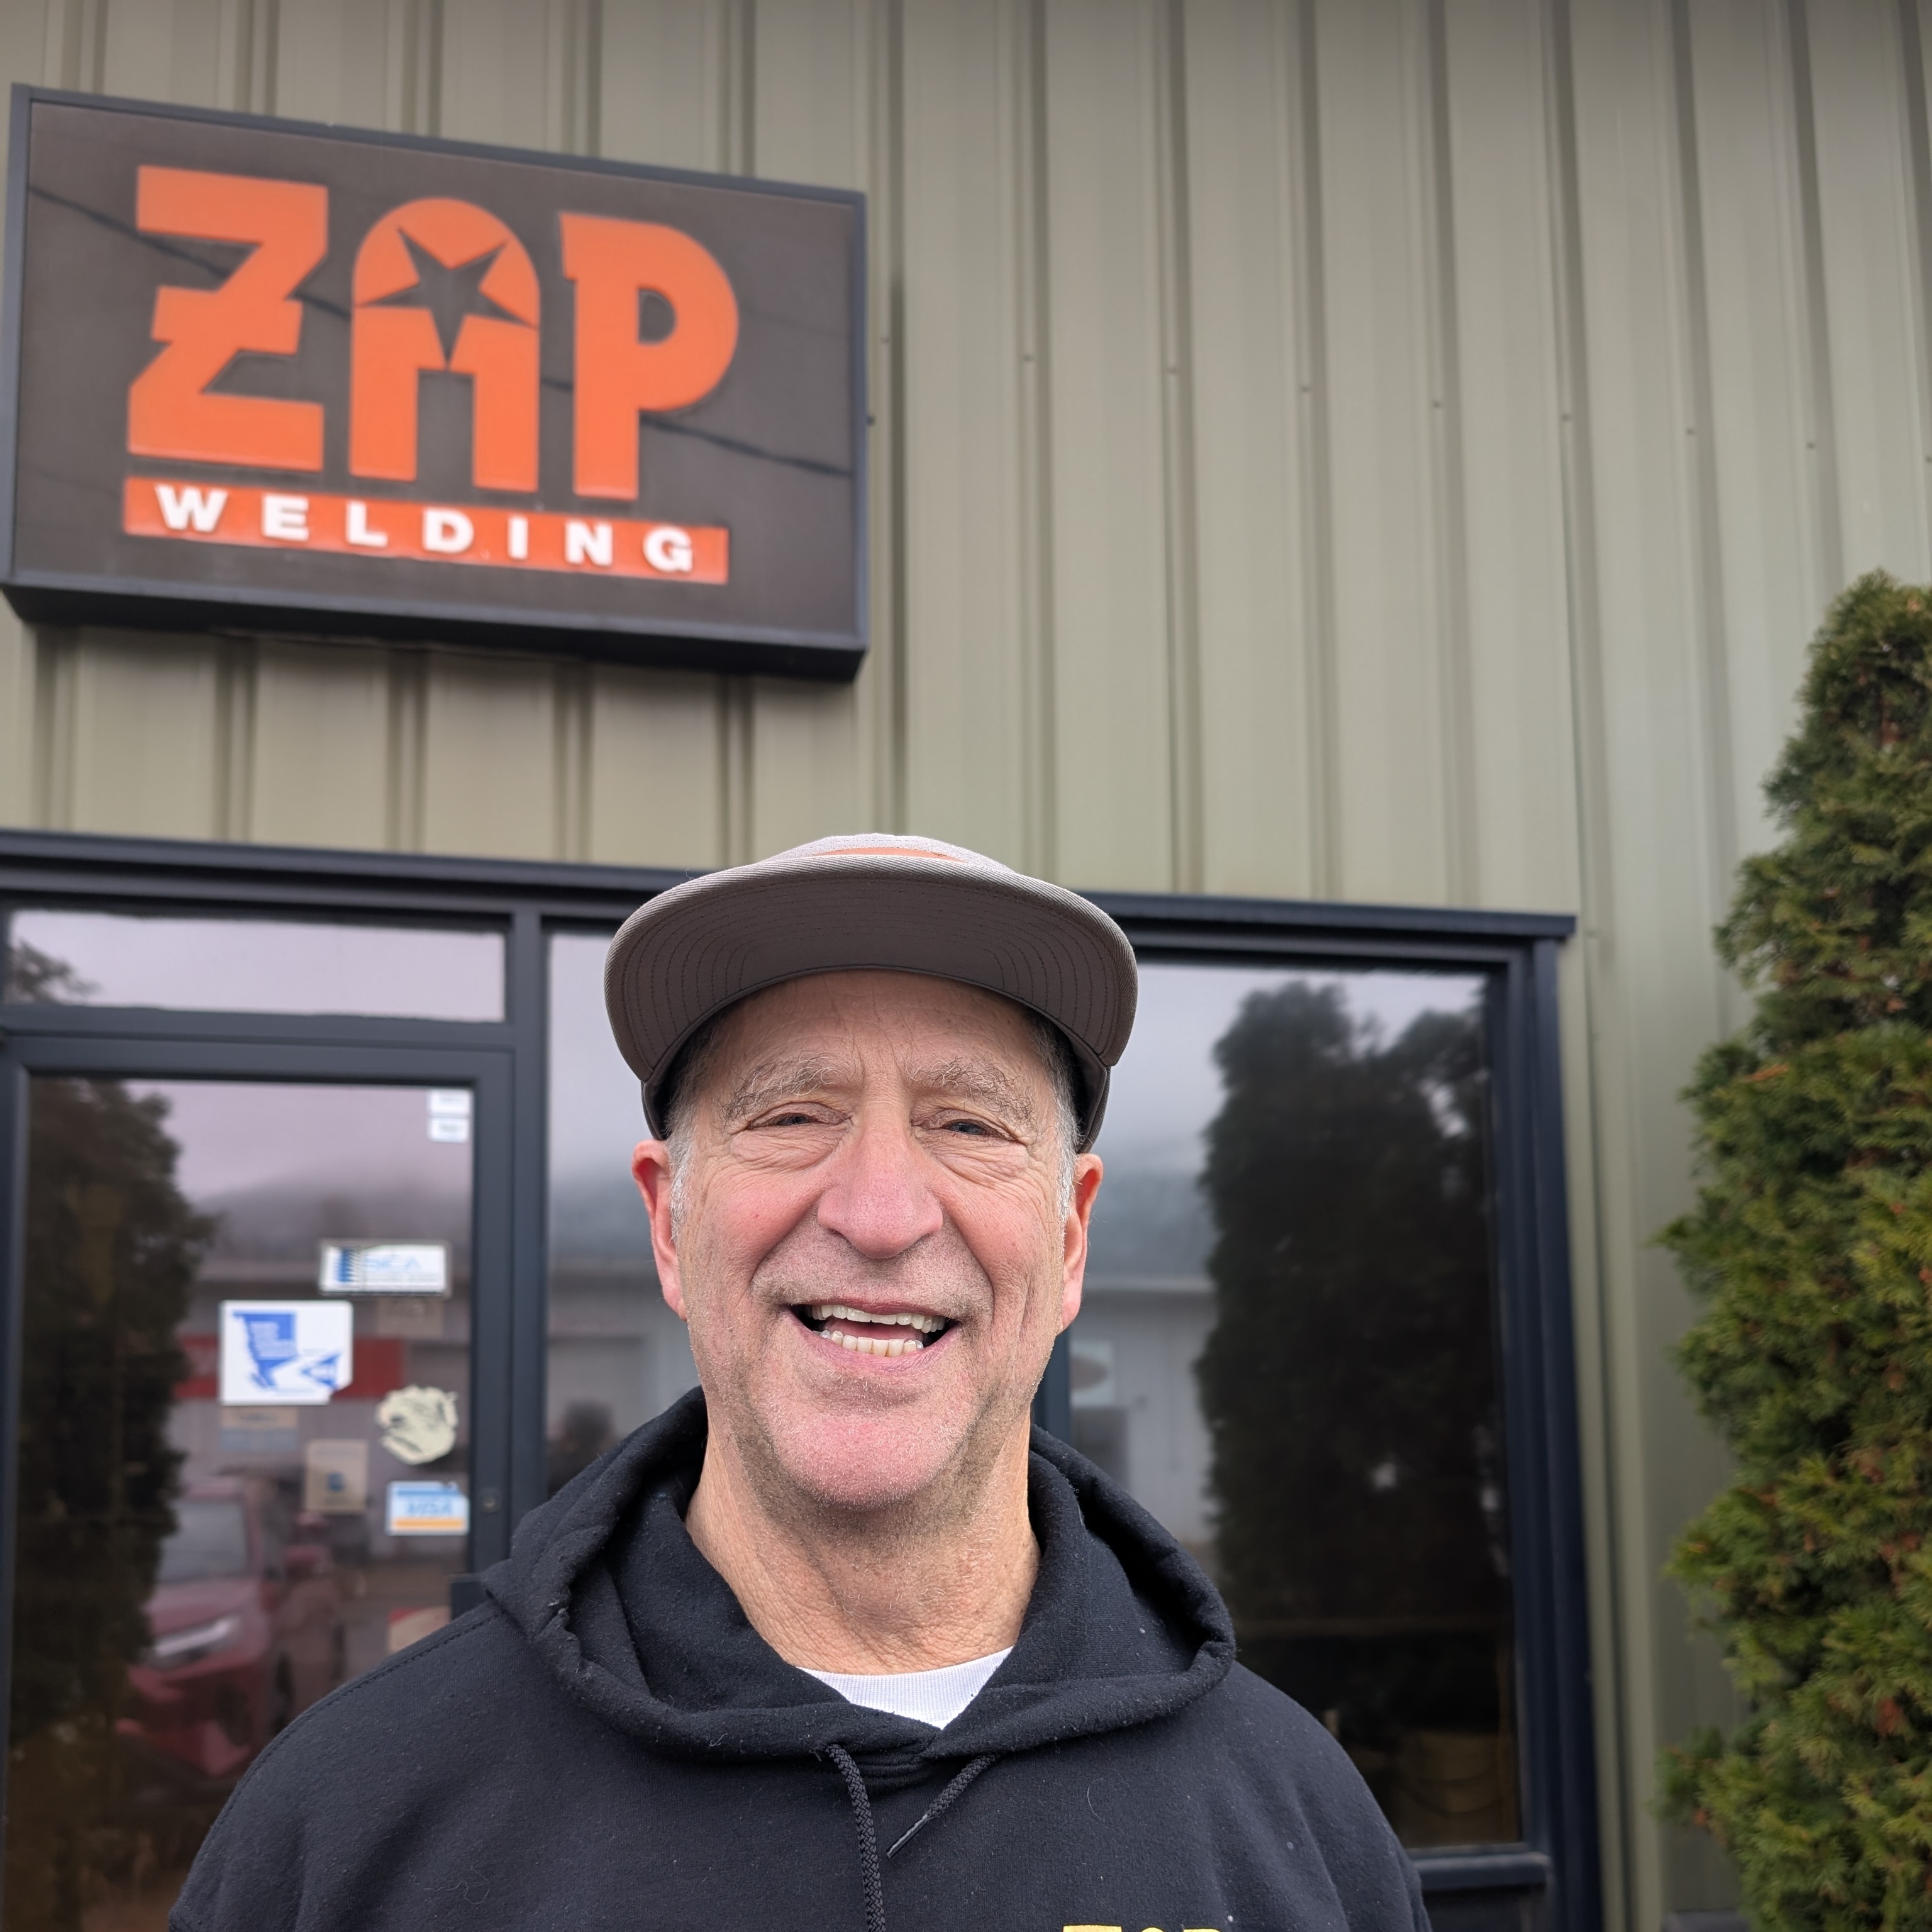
(879,1200)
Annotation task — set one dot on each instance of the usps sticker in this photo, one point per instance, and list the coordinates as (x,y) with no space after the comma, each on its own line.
(286,1351)
(428,1509)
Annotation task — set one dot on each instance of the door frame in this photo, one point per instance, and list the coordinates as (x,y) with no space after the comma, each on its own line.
(484,1072)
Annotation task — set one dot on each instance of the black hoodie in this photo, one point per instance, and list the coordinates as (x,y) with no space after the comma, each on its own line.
(607,1743)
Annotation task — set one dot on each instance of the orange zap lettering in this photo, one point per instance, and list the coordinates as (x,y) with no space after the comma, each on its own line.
(613,262)
(392,346)
(169,410)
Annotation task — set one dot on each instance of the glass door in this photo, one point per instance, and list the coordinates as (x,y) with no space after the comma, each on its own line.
(245,1468)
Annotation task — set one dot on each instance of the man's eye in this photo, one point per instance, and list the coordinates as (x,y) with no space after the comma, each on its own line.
(792,1116)
(979,1127)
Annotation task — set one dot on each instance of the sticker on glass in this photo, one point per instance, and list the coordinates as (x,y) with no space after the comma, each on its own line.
(449,1113)
(427,1509)
(275,1432)
(384,1267)
(286,1351)
(335,1477)
(419,1424)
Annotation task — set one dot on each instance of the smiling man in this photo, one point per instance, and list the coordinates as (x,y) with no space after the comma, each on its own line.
(839,1639)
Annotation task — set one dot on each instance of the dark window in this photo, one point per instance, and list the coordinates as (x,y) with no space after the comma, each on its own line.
(1287,1353)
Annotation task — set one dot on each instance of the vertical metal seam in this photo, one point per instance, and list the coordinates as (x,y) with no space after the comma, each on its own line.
(742,81)
(570,759)
(1828,513)
(220,818)
(60,63)
(740,721)
(737,78)
(1180,500)
(90,47)
(1033,287)
(237,86)
(1317,478)
(892,735)
(408,724)
(593,76)
(54,726)
(1590,754)
(235,664)
(266,50)
(1458,720)
(431,71)
(1706,530)
(725,765)
(1918,140)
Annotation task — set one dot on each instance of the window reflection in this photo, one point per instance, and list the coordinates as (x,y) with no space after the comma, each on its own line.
(191,1570)
(253,965)
(1287,1352)
(617,1355)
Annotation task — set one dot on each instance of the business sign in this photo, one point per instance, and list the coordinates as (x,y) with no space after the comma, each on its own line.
(262,374)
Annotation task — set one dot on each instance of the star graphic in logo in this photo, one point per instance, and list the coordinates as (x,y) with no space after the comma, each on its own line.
(448,294)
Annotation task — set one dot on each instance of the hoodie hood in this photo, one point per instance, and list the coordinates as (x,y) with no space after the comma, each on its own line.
(610,1592)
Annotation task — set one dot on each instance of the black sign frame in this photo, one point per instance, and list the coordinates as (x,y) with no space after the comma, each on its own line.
(140,602)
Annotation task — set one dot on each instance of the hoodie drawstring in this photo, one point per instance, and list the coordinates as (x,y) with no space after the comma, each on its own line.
(945,1798)
(861,1802)
(869,1836)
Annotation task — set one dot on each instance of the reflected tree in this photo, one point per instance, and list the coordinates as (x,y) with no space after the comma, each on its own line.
(112,1246)
(1349,1382)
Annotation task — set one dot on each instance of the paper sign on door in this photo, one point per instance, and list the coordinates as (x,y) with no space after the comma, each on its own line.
(299,1351)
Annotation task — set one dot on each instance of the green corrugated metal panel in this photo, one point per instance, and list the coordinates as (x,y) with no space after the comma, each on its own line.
(1388,449)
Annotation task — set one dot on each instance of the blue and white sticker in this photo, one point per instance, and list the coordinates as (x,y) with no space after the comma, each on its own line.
(286,1351)
(428,1509)
(384,1267)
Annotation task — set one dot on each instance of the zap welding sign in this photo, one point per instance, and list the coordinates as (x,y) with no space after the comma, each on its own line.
(259,374)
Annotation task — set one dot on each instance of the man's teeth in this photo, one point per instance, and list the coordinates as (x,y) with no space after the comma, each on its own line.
(831,1312)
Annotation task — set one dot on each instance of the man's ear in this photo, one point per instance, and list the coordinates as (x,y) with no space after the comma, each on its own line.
(1087,1171)
(650,1168)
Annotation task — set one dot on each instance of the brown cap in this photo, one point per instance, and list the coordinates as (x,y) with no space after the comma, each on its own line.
(870,900)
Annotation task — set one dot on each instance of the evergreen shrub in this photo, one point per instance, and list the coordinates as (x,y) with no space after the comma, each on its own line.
(1810,1249)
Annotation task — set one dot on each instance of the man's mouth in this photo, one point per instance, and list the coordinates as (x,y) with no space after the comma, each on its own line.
(868,1332)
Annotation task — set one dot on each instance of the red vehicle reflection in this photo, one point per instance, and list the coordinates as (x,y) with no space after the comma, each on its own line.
(246,1630)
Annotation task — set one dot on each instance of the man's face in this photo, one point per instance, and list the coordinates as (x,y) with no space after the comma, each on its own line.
(872,1249)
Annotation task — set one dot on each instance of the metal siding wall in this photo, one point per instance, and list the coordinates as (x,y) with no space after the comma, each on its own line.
(967,400)
(1384,449)
(1109,642)
(1655,993)
(1262,708)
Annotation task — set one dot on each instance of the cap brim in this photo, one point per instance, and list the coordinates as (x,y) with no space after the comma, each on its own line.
(703,946)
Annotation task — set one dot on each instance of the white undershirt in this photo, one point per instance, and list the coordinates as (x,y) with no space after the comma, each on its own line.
(934,1697)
